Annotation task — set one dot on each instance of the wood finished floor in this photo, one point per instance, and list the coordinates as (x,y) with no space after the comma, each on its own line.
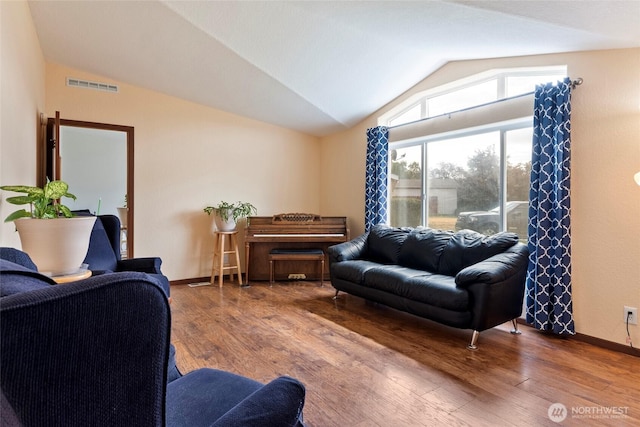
(368,365)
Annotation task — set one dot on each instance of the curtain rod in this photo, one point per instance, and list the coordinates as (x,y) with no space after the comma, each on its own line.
(497,101)
(574,83)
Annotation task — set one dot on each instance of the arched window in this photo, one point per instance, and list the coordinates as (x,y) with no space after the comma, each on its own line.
(468,165)
(472,91)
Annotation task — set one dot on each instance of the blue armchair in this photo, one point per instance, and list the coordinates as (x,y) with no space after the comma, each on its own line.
(103,255)
(97,352)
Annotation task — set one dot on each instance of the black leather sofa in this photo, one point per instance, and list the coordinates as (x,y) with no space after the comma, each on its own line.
(461,279)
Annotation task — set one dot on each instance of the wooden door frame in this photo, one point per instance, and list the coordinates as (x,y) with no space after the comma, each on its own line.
(50,169)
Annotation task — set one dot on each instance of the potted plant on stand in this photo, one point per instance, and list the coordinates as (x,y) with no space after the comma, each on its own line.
(55,239)
(227,214)
(123,213)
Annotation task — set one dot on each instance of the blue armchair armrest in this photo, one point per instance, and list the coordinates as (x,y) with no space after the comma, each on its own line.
(146,265)
(278,403)
(232,400)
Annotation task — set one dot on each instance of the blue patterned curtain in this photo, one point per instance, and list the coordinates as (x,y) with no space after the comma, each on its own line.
(375,209)
(549,305)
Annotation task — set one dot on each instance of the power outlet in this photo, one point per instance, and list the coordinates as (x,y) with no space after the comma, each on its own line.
(633,319)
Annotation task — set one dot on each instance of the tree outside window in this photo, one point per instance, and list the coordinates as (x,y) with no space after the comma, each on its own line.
(463,182)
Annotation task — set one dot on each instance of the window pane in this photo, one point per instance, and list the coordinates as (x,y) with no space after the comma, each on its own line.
(518,177)
(517,85)
(411,115)
(406,187)
(463,98)
(464,182)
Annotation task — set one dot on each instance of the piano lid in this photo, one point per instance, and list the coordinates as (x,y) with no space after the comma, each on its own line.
(296,225)
(300,235)
(296,217)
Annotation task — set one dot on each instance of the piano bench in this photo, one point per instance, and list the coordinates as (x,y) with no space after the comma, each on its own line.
(296,255)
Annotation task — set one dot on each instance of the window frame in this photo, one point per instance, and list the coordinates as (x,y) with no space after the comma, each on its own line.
(501,74)
(504,114)
(502,127)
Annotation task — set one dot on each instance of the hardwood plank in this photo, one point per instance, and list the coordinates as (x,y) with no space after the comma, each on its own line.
(365,364)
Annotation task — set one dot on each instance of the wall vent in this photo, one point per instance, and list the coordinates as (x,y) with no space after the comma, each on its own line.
(92,85)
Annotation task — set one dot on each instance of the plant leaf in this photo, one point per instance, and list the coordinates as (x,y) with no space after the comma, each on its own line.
(49,212)
(55,189)
(65,211)
(20,200)
(17,214)
(31,191)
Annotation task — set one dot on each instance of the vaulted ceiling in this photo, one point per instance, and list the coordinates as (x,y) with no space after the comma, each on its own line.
(314,66)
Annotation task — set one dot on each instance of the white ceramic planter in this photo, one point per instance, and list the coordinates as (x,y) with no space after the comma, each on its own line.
(221,225)
(123,214)
(57,246)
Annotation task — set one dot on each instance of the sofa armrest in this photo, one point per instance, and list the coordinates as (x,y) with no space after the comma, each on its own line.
(278,403)
(100,343)
(353,249)
(496,287)
(495,269)
(145,265)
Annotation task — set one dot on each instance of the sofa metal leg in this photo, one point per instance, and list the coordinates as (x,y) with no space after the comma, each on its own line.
(515,329)
(474,339)
(336,295)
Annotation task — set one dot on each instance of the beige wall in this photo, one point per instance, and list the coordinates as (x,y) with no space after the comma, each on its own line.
(605,199)
(22,94)
(188,156)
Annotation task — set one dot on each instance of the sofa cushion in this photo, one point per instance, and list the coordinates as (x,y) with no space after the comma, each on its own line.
(423,247)
(438,290)
(468,247)
(384,243)
(417,285)
(390,278)
(352,271)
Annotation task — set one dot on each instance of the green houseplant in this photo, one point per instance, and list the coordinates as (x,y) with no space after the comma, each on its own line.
(227,214)
(55,239)
(44,201)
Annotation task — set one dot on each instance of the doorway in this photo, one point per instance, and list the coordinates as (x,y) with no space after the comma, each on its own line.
(96,160)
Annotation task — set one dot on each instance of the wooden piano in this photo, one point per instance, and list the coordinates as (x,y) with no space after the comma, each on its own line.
(290,231)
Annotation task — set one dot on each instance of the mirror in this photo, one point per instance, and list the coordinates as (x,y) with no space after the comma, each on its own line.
(96,160)
(94,164)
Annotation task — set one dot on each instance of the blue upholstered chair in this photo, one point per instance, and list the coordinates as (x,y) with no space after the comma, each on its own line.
(96,352)
(18,257)
(103,255)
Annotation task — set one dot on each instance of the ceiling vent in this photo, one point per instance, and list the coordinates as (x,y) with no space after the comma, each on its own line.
(92,85)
